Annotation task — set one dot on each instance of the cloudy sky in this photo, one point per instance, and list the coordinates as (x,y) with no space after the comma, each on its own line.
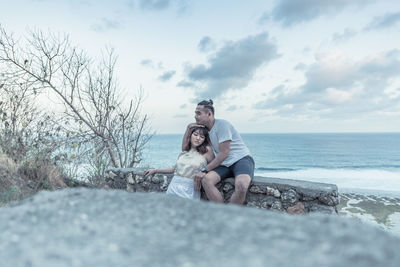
(269,66)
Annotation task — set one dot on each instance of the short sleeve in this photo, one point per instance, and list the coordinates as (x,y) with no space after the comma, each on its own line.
(224,132)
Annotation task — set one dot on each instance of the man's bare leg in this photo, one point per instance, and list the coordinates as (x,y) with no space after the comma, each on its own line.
(242,183)
(209,181)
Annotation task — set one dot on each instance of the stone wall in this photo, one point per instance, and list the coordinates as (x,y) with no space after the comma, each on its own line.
(292,196)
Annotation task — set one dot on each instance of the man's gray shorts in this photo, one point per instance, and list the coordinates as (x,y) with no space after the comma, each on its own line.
(242,166)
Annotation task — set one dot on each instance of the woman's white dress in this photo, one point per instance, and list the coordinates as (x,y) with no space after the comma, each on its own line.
(189,163)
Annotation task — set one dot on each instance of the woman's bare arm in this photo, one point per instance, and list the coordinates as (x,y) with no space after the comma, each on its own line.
(152,171)
(210,154)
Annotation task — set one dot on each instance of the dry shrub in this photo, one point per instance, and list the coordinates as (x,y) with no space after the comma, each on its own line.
(42,174)
(8,173)
(20,180)
(7,169)
(51,174)
(6,162)
(10,181)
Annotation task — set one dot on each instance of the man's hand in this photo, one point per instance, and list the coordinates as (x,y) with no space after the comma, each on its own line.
(197,180)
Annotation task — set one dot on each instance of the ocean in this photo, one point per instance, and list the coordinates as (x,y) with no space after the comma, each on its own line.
(355,162)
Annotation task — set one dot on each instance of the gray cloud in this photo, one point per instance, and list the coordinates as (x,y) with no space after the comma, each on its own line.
(232,66)
(184,83)
(306,50)
(385,21)
(106,24)
(181,6)
(181,115)
(336,87)
(265,17)
(346,35)
(342,73)
(234,107)
(290,12)
(300,66)
(206,44)
(166,76)
(154,4)
(147,63)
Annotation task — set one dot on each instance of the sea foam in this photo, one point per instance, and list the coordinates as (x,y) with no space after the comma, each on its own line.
(348,180)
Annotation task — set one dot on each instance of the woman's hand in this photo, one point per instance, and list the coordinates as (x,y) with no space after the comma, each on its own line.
(149,172)
(197,180)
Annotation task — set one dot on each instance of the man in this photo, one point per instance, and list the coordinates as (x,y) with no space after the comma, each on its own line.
(232,157)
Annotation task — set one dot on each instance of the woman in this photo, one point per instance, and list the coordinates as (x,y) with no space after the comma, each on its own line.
(196,152)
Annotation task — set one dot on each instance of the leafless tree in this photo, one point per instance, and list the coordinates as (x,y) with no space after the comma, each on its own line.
(24,128)
(96,118)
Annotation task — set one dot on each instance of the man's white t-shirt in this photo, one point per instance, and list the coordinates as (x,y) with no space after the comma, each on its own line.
(223,131)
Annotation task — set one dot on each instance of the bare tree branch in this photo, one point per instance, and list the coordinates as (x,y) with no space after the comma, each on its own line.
(95,115)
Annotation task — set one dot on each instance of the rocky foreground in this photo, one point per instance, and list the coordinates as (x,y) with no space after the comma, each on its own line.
(82,227)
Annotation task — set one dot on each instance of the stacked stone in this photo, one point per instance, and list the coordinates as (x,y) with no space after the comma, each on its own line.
(292,196)
(133,180)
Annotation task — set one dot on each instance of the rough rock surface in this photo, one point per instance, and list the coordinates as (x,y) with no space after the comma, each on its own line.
(83,227)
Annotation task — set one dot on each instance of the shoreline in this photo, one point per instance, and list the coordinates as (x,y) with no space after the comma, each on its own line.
(368,192)
(373,209)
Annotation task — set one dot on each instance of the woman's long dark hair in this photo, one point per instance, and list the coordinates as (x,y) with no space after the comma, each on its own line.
(202,149)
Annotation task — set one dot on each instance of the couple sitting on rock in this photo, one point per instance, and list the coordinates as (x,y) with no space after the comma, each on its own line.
(212,150)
